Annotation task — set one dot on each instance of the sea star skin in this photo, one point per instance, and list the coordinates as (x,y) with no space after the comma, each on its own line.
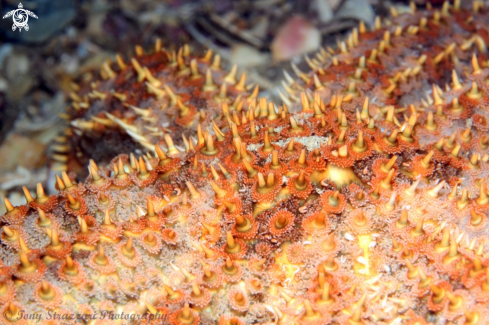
(337,209)
(132,104)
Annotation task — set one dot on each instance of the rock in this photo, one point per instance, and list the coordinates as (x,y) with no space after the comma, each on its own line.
(325,10)
(247,56)
(23,151)
(16,66)
(296,37)
(357,10)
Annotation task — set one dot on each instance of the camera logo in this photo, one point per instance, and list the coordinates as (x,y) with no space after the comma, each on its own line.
(20,17)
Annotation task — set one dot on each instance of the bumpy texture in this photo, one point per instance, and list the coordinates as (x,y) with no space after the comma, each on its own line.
(361,200)
(133,104)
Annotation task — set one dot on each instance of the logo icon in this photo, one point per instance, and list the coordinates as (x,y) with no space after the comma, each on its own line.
(20,17)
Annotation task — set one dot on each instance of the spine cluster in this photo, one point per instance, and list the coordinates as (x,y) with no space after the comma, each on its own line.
(361,199)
